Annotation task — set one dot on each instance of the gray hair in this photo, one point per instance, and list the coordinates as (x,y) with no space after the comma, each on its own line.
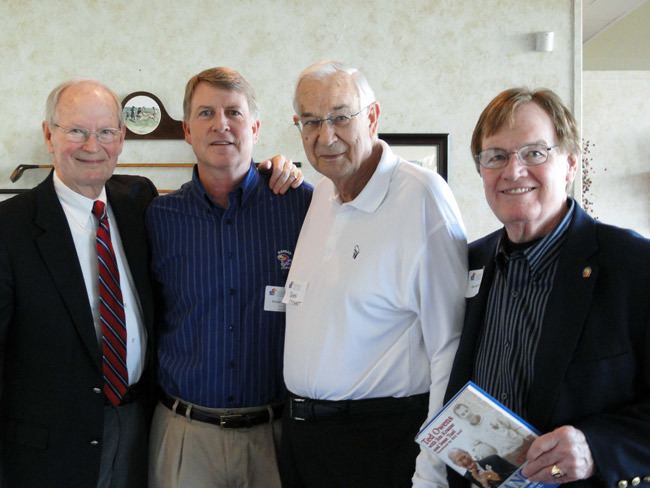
(55,95)
(323,69)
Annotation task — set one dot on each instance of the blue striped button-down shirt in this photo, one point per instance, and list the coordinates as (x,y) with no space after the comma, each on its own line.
(217,346)
(523,281)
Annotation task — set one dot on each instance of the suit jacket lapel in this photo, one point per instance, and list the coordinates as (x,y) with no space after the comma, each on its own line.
(60,257)
(481,257)
(566,313)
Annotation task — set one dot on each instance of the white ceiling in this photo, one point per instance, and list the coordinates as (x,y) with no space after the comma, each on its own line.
(598,15)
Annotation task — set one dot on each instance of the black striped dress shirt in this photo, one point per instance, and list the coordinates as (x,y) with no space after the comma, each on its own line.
(522,284)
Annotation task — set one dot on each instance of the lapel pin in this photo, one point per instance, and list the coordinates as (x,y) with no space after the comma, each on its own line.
(586,273)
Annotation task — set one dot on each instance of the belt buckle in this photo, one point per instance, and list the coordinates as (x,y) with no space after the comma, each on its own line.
(224,420)
(296,404)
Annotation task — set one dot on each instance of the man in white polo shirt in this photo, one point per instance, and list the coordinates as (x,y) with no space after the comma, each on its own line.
(374,296)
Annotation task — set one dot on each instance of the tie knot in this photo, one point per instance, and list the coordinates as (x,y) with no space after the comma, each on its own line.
(99,209)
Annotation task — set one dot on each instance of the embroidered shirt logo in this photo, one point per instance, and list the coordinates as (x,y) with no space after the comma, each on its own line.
(285,259)
(355,253)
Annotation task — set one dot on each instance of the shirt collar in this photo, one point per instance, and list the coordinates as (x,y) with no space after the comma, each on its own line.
(537,254)
(75,205)
(239,195)
(376,189)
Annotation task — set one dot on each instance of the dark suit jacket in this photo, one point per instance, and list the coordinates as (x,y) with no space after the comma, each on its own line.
(592,367)
(50,358)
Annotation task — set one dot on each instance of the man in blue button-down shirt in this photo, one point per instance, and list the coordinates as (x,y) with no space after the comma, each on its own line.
(221,249)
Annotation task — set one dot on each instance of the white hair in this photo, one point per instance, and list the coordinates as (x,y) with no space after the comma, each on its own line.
(323,69)
(55,95)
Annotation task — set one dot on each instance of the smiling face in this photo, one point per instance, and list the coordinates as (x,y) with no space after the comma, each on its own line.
(338,153)
(529,200)
(84,167)
(221,130)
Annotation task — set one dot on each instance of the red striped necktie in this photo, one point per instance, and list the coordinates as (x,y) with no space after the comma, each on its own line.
(111,312)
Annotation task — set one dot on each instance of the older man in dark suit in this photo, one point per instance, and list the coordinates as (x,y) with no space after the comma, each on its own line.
(76,307)
(557,322)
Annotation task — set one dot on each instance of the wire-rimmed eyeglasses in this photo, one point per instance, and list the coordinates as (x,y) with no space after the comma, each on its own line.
(310,125)
(106,135)
(529,155)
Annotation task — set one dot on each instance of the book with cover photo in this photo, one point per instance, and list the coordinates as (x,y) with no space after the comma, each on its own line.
(481,439)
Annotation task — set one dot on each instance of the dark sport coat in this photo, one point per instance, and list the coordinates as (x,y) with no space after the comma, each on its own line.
(592,367)
(51,404)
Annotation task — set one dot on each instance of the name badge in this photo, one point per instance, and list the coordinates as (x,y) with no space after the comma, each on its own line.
(295,292)
(273,296)
(473,282)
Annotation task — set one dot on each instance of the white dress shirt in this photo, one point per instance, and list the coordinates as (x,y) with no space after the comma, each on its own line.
(375,295)
(83,227)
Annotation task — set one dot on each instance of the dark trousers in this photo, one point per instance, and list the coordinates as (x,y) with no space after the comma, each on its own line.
(359,449)
(125,447)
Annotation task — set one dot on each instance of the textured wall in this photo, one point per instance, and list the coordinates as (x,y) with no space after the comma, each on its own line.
(434,65)
(616,118)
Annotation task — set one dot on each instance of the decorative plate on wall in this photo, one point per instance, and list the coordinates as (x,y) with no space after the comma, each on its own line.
(145,117)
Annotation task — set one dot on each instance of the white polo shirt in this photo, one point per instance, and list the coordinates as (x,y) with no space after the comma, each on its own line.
(375,295)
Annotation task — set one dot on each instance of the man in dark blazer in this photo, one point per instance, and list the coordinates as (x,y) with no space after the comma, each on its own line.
(57,427)
(558,310)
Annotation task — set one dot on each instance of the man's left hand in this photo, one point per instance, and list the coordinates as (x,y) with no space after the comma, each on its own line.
(284,174)
(565,448)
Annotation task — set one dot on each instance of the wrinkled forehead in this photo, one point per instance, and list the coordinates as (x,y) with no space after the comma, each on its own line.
(328,94)
(88,100)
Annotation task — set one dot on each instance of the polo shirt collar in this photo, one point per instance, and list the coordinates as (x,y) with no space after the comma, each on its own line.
(375,191)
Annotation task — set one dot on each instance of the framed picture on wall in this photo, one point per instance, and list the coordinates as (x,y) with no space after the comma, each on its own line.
(427,150)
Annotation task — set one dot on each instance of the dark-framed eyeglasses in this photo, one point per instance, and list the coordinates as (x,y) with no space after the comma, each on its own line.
(310,125)
(107,135)
(529,155)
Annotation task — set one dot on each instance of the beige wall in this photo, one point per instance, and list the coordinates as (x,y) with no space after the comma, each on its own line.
(434,65)
(616,118)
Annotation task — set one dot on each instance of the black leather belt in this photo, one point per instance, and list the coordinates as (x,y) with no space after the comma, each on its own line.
(306,409)
(227,421)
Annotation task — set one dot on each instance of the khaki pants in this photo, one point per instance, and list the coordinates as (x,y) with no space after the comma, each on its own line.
(185,453)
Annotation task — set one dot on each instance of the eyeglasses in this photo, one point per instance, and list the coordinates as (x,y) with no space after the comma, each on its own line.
(310,126)
(529,155)
(106,135)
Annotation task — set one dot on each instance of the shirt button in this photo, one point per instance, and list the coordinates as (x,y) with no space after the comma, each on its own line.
(97,390)
(507,344)
(231,328)
(504,396)
(515,293)
(94,443)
